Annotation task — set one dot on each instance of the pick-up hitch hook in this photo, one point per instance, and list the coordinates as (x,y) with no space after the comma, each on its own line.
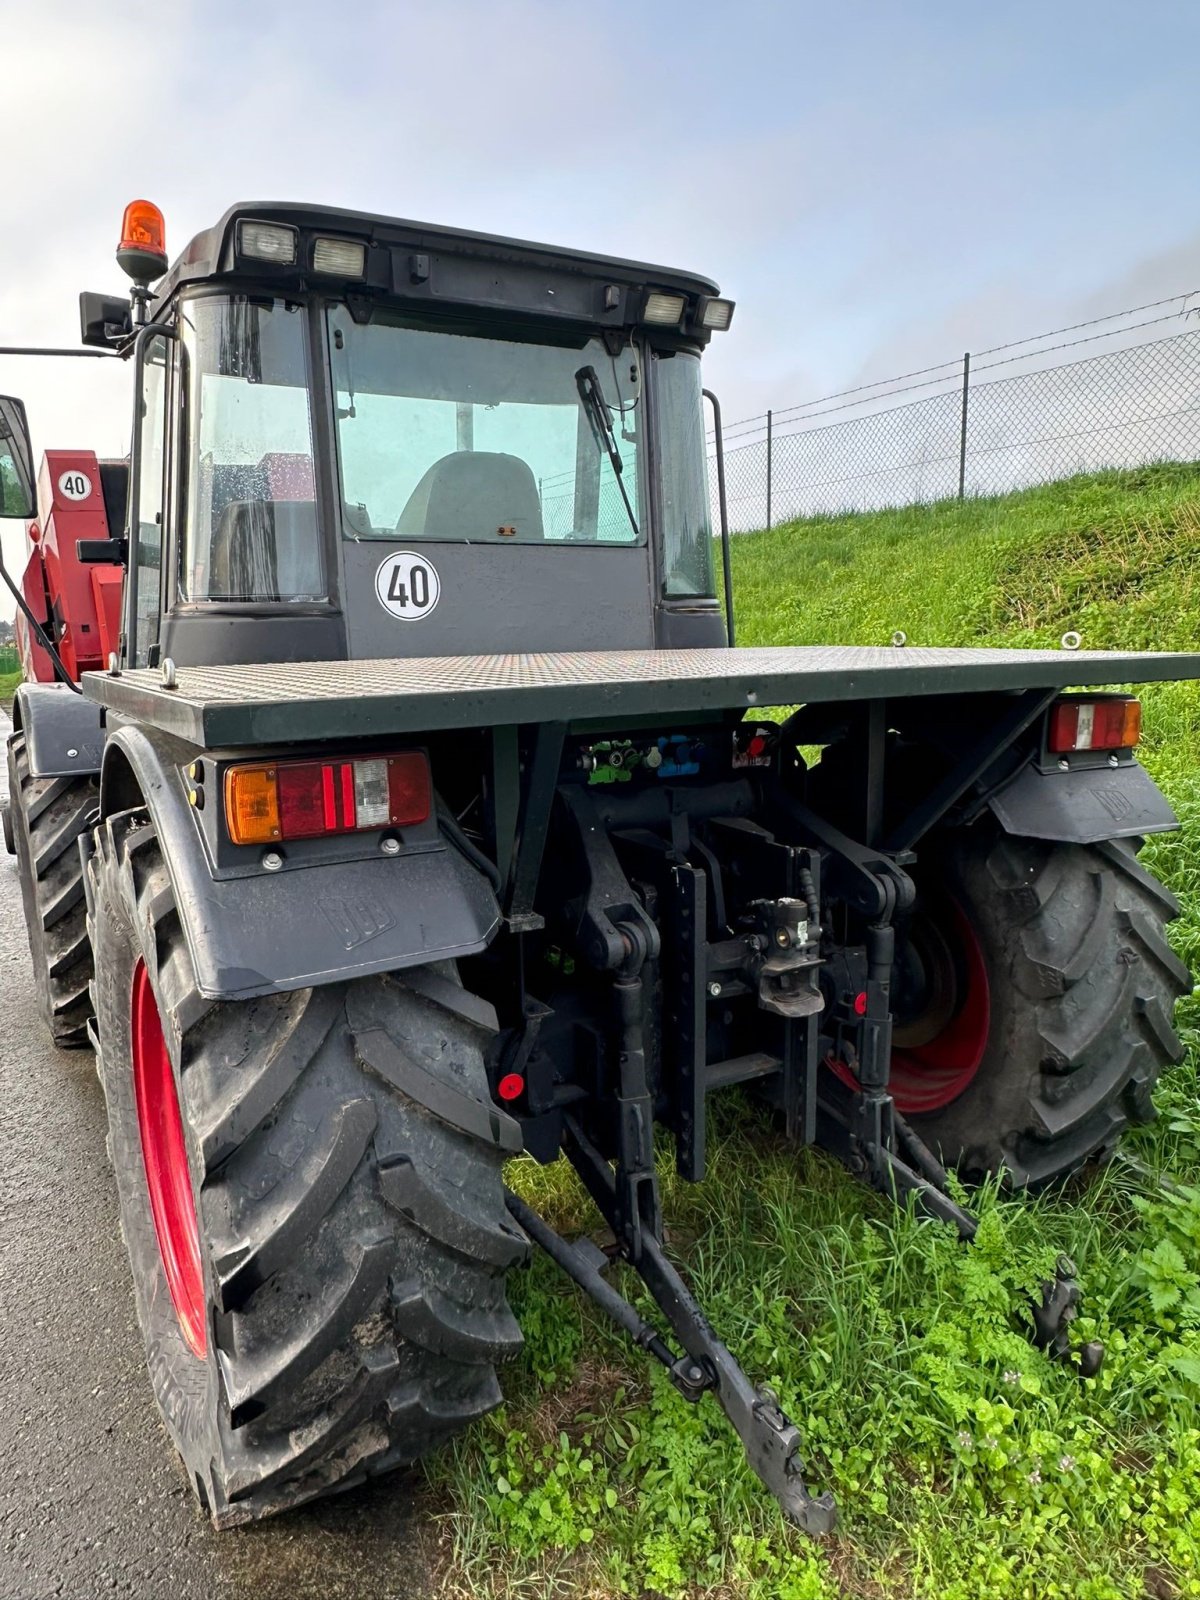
(1058,1307)
(1053,1317)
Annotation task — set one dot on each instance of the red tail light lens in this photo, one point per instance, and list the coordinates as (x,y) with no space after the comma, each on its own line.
(1080,723)
(307,801)
(311,799)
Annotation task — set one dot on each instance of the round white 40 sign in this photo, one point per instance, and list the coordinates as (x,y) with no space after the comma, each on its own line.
(74,485)
(407,585)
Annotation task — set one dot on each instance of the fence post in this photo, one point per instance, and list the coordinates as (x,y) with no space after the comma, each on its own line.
(962,436)
(768,469)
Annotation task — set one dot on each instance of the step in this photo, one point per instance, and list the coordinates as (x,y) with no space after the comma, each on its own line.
(740,1069)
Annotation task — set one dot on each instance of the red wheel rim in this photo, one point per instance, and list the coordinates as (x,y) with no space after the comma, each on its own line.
(927,1078)
(164,1155)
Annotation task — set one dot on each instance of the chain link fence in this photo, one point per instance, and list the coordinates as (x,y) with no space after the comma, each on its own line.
(1134,402)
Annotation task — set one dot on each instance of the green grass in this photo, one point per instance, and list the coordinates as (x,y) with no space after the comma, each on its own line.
(967,1466)
(8,685)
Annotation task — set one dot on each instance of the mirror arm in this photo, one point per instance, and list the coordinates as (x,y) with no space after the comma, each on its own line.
(47,350)
(726,561)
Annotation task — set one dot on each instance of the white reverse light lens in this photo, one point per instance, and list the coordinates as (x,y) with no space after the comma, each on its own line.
(664,308)
(718,314)
(371,794)
(343,258)
(265,241)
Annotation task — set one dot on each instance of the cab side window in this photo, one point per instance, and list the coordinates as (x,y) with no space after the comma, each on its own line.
(251,532)
(151,500)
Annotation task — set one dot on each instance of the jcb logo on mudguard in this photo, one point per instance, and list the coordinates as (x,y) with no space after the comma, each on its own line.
(1113,799)
(356,921)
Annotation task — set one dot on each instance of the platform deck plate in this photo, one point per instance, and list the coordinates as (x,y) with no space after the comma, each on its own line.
(216,707)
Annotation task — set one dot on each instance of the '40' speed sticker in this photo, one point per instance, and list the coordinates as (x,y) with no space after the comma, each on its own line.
(407,585)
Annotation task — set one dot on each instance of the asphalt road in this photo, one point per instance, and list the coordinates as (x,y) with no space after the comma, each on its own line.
(92,1500)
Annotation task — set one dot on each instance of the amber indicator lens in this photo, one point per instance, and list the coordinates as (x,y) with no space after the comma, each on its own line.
(252,805)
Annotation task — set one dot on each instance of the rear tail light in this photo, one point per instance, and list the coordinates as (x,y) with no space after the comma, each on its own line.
(1079,723)
(271,801)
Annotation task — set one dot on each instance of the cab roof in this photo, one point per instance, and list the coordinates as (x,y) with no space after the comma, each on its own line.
(431,262)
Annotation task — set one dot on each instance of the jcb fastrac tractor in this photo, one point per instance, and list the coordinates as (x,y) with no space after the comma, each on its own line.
(417,811)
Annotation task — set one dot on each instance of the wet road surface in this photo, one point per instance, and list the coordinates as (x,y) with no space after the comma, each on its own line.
(92,1500)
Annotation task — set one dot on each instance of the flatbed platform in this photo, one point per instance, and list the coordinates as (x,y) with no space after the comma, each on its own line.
(215,707)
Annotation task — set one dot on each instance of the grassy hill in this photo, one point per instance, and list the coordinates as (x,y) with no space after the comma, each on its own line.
(1113,556)
(967,1466)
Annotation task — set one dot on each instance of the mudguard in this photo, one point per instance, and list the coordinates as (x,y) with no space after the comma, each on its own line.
(318,924)
(1083,806)
(64,733)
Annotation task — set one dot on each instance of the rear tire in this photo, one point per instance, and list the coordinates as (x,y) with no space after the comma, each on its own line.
(47,817)
(1081,988)
(345,1160)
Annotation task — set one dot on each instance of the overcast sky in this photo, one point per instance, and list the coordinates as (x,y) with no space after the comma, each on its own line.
(879,185)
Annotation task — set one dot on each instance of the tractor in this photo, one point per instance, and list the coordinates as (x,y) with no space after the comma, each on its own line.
(390,799)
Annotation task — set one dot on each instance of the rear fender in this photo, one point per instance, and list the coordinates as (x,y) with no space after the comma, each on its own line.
(304,926)
(64,733)
(1083,805)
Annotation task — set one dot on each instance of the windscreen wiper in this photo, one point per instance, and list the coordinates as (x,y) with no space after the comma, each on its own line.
(596,407)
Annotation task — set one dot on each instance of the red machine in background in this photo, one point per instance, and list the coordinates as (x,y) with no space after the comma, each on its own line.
(79,497)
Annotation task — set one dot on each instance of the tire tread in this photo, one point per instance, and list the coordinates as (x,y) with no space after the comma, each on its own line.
(348,1337)
(1083,982)
(49,817)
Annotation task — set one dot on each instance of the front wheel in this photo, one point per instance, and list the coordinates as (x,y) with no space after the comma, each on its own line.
(310,1194)
(1034,996)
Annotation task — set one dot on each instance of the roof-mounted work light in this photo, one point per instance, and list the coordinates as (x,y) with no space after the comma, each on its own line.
(663,309)
(142,252)
(716,314)
(267,241)
(341,258)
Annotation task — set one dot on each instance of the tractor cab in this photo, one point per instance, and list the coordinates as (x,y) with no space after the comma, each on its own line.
(368,438)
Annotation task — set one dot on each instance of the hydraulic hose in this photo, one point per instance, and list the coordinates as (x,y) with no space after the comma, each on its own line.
(448,823)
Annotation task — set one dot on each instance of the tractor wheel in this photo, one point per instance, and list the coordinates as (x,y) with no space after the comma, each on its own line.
(47,817)
(1040,990)
(310,1193)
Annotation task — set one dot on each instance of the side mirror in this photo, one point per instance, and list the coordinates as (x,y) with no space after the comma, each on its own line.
(105,320)
(17,497)
(102,552)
